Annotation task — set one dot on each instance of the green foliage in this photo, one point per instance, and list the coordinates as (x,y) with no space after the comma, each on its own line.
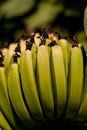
(14,8)
(44,15)
(17,16)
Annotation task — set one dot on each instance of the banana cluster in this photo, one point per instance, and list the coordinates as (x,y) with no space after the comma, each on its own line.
(43,79)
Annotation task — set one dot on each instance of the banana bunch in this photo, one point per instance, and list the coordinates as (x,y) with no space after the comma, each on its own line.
(43,80)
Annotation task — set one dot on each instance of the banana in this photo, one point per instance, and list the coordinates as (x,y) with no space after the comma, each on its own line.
(29,85)
(12,46)
(59,79)
(5,105)
(15,94)
(66,52)
(82,114)
(8,53)
(4,52)
(37,39)
(43,74)
(66,48)
(75,82)
(34,54)
(43,77)
(22,44)
(17,54)
(48,44)
(4,123)
(48,41)
(32,40)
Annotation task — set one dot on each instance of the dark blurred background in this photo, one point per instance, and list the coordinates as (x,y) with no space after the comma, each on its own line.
(19,16)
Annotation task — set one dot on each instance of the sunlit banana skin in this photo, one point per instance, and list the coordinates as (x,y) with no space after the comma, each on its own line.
(43,82)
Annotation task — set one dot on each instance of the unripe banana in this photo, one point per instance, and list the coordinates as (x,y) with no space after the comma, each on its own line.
(22,45)
(29,85)
(5,105)
(43,73)
(8,53)
(65,45)
(75,82)
(82,114)
(4,125)
(37,39)
(48,44)
(43,80)
(16,97)
(34,54)
(22,42)
(59,79)
(66,48)
(12,46)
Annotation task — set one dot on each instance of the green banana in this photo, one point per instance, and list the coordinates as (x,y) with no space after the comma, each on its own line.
(48,44)
(82,114)
(43,79)
(22,42)
(66,52)
(48,41)
(66,48)
(12,46)
(5,105)
(75,82)
(43,75)
(5,51)
(29,85)
(4,123)
(22,45)
(34,54)
(37,39)
(59,79)
(15,94)
(8,53)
